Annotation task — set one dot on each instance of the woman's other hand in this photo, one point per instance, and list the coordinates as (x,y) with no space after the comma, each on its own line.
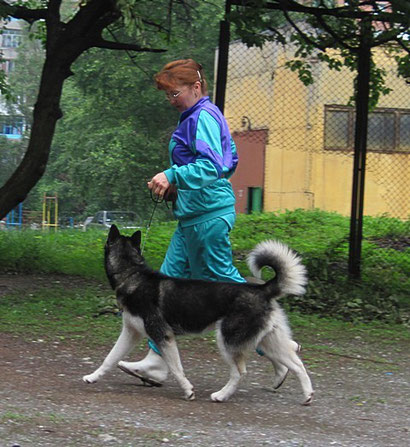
(171,194)
(159,184)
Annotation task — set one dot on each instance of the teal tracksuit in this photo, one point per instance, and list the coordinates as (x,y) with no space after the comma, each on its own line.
(203,156)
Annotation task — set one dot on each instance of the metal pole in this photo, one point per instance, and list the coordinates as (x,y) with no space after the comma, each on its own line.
(223,53)
(360,149)
(56,212)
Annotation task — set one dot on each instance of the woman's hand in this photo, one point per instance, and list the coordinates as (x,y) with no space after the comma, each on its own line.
(159,184)
(171,194)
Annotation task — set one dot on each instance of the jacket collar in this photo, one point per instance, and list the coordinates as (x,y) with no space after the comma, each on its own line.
(192,109)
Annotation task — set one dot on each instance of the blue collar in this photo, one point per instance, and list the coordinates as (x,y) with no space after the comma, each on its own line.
(195,107)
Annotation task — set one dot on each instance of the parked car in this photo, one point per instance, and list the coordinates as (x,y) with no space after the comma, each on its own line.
(104,220)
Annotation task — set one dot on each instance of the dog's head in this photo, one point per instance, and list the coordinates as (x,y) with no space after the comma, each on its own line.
(121,254)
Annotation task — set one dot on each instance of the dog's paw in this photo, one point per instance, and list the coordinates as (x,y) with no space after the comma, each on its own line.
(190,396)
(189,393)
(91,378)
(308,400)
(219,397)
(279,378)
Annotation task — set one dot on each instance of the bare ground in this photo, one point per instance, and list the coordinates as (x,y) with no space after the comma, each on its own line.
(359,401)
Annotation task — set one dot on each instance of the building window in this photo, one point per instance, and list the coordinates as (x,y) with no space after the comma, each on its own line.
(381,133)
(338,129)
(8,65)
(11,126)
(10,38)
(404,132)
(388,129)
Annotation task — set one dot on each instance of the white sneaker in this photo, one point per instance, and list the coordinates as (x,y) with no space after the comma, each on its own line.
(152,370)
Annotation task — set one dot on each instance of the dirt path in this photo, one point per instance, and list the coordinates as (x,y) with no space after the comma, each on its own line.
(43,402)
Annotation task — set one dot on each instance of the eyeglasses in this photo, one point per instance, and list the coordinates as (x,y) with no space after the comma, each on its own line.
(173,95)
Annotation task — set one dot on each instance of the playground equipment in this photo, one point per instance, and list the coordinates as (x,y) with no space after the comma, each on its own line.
(50,212)
(15,217)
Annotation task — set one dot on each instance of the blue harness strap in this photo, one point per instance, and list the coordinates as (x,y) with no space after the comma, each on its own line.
(260,352)
(154,347)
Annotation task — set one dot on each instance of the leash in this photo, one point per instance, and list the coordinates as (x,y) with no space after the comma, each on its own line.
(156,199)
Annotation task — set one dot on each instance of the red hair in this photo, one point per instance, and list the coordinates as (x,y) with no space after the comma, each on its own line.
(182,71)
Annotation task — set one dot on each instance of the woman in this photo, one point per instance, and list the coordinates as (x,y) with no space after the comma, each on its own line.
(203,156)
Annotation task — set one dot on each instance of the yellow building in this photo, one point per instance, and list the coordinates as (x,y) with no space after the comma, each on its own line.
(304,135)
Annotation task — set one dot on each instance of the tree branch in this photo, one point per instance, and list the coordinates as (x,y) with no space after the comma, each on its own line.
(403,45)
(21,12)
(303,34)
(344,12)
(279,36)
(54,7)
(110,45)
(93,13)
(387,36)
(337,38)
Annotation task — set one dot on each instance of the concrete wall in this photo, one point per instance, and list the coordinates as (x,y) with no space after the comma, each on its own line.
(299,172)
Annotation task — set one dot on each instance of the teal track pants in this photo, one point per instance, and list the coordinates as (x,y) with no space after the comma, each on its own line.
(202,251)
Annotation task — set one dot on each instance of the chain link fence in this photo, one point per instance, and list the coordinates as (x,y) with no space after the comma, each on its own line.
(296,142)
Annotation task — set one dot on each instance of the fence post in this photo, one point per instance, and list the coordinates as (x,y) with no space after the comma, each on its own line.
(360,149)
(223,53)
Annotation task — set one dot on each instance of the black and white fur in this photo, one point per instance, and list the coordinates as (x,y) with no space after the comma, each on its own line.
(246,316)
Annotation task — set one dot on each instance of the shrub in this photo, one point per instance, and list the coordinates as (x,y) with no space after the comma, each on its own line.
(320,237)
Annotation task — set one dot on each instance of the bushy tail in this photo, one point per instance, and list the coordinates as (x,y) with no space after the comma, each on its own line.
(291,275)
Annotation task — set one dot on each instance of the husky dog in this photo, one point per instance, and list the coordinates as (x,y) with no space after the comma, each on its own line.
(246,316)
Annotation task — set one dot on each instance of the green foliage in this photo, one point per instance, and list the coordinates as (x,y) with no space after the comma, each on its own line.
(25,78)
(11,154)
(23,83)
(5,89)
(320,237)
(329,37)
(322,240)
(403,66)
(134,17)
(254,26)
(32,4)
(303,69)
(114,133)
(377,86)
(336,58)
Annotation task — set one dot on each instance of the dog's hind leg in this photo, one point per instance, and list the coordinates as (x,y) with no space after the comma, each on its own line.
(284,352)
(170,355)
(268,348)
(126,341)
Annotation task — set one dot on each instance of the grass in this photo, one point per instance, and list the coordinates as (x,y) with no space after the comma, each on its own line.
(64,314)
(12,416)
(60,314)
(70,251)
(320,237)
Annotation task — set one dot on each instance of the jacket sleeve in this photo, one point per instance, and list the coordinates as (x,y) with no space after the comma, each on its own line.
(208,165)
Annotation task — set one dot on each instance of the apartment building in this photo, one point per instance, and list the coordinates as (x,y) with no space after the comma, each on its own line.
(11,125)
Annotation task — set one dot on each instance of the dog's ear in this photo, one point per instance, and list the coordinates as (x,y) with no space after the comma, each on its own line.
(136,239)
(113,235)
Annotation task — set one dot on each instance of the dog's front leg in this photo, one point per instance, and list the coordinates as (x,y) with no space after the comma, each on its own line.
(170,354)
(126,341)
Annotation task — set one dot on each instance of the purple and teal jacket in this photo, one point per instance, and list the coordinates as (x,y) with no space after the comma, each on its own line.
(203,156)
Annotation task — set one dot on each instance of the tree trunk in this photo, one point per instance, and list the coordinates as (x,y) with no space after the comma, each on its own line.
(45,116)
(65,43)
